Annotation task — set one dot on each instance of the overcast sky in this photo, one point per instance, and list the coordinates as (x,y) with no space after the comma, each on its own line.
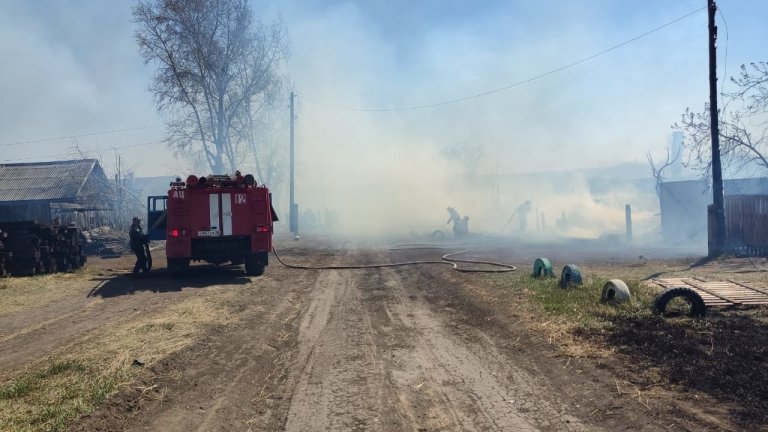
(72,68)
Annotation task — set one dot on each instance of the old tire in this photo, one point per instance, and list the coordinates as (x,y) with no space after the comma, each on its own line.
(615,291)
(571,275)
(542,267)
(698,308)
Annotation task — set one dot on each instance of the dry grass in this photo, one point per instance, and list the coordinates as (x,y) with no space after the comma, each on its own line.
(562,314)
(74,380)
(721,358)
(20,293)
(558,314)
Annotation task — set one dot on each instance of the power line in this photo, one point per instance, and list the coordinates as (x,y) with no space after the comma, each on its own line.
(79,136)
(72,153)
(75,153)
(515,84)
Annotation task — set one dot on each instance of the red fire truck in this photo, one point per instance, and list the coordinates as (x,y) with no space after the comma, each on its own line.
(218,219)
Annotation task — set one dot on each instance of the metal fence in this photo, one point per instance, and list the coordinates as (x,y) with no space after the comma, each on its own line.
(746,224)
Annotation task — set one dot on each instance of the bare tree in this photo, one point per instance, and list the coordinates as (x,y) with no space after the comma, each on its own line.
(215,60)
(117,191)
(753,86)
(257,126)
(465,154)
(658,173)
(743,125)
(266,137)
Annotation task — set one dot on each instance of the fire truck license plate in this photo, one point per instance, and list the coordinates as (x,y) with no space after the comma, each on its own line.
(212,233)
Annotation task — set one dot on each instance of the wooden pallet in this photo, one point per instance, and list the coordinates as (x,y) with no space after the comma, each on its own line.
(720,293)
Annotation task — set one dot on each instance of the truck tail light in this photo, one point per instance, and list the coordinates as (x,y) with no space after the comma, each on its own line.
(262,229)
(175,233)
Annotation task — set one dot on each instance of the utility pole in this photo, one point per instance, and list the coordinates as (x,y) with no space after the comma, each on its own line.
(294,210)
(717,246)
(119,188)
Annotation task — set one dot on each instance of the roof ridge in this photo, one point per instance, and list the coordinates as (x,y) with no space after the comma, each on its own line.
(57,180)
(85,177)
(61,162)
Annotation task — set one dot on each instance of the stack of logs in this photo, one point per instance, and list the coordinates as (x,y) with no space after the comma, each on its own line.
(29,248)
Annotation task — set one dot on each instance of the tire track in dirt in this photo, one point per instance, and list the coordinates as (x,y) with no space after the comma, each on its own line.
(28,319)
(461,385)
(372,358)
(219,382)
(34,333)
(457,381)
(345,350)
(221,386)
(38,335)
(338,378)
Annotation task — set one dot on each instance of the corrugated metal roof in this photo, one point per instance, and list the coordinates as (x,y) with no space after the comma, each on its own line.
(44,180)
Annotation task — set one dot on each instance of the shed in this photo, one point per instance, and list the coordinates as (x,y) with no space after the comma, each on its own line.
(684,204)
(40,191)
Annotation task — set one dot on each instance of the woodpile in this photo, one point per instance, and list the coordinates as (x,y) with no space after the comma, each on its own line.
(29,248)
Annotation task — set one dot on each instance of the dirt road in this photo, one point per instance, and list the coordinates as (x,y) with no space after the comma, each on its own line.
(389,349)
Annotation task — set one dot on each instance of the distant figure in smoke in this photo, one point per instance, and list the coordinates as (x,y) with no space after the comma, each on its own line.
(460,226)
(522,215)
(453,216)
(464,226)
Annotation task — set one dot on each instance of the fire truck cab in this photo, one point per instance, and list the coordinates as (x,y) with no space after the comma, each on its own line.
(217,219)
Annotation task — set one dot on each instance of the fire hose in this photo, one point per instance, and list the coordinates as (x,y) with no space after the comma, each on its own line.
(514,213)
(445,260)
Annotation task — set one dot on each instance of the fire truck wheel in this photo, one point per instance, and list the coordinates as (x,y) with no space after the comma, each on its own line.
(177,266)
(254,265)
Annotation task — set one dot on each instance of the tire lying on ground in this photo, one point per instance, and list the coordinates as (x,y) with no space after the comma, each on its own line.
(571,275)
(697,306)
(615,291)
(542,267)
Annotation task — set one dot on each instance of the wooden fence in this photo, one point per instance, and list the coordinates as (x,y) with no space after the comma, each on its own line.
(746,224)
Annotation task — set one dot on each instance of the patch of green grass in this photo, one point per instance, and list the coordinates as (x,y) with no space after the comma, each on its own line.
(580,304)
(102,388)
(18,388)
(27,383)
(60,367)
(152,326)
(49,398)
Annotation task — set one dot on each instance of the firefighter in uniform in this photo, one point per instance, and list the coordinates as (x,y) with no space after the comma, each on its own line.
(138,239)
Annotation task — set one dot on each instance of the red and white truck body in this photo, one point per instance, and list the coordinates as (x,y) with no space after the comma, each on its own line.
(217,220)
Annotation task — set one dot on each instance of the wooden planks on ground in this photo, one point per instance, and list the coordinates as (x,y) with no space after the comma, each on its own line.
(720,293)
